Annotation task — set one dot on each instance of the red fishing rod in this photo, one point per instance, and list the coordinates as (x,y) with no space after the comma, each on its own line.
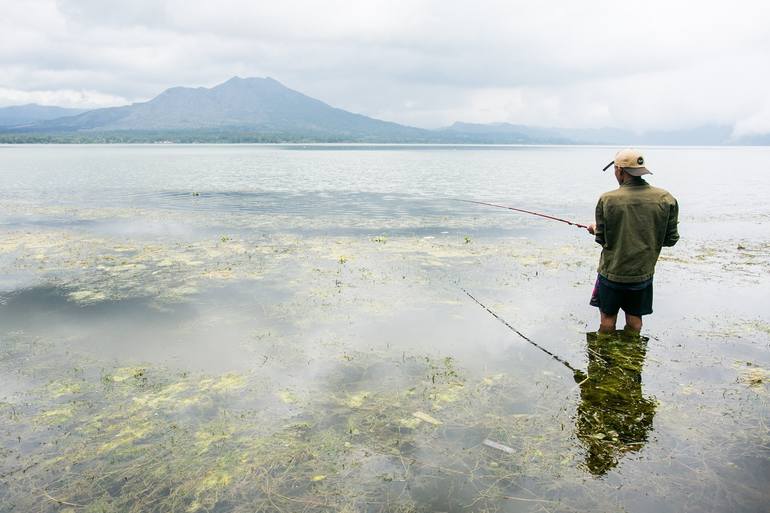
(526,212)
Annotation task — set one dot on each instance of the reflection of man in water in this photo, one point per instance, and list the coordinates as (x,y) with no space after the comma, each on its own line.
(613,417)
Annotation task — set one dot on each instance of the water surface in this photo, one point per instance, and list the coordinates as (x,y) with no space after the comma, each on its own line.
(283,328)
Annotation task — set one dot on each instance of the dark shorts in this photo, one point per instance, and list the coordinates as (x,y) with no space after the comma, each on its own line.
(633,298)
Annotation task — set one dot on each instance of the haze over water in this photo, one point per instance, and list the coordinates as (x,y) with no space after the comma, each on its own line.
(286,325)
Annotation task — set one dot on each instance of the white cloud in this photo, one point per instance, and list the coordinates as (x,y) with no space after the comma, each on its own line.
(60,98)
(756,122)
(643,64)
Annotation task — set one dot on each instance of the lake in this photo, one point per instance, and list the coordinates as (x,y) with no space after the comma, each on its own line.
(289,328)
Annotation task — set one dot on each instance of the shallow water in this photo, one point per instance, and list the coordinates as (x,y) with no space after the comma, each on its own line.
(263,328)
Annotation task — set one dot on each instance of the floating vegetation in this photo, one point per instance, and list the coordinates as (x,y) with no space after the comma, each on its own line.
(722,261)
(753,376)
(87,296)
(141,439)
(427,418)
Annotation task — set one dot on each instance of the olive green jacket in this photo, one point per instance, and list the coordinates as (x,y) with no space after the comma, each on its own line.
(633,223)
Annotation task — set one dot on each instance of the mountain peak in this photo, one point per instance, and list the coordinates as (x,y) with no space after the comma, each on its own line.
(251,104)
(236,80)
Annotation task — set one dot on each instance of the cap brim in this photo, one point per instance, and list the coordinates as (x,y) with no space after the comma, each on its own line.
(637,171)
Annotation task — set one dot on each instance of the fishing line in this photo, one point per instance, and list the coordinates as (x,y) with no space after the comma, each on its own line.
(578,374)
(571,223)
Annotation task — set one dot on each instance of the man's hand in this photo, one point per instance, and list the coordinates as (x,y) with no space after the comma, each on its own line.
(591,228)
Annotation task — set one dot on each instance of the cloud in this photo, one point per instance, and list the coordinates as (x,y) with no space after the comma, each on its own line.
(755,122)
(60,98)
(651,64)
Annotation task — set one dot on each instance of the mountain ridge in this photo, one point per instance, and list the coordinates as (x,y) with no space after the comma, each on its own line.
(15,115)
(700,135)
(264,110)
(238,103)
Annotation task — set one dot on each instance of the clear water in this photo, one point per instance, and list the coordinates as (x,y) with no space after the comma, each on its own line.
(286,327)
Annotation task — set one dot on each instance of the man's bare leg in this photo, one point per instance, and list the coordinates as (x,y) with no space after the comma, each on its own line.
(608,323)
(633,324)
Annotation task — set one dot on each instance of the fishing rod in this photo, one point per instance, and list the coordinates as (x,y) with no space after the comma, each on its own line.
(571,223)
(577,374)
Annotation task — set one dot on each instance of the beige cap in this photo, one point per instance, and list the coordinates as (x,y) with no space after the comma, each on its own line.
(632,162)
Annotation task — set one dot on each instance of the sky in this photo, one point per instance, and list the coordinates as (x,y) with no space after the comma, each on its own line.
(640,65)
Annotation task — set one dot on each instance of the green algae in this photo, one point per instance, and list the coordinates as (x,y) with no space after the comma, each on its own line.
(58,389)
(287,396)
(125,373)
(97,269)
(58,414)
(754,376)
(143,440)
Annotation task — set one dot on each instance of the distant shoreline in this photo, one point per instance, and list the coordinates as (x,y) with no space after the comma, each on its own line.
(360,144)
(383,145)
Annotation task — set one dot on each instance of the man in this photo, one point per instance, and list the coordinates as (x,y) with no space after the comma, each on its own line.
(633,223)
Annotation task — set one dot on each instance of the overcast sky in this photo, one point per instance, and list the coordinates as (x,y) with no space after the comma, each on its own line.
(640,64)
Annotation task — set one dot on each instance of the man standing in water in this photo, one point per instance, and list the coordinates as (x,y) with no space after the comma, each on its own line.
(633,223)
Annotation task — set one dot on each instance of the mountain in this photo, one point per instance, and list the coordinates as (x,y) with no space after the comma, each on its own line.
(756,139)
(241,104)
(506,133)
(502,133)
(265,111)
(19,115)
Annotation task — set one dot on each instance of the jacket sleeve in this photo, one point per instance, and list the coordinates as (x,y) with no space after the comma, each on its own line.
(600,227)
(672,227)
